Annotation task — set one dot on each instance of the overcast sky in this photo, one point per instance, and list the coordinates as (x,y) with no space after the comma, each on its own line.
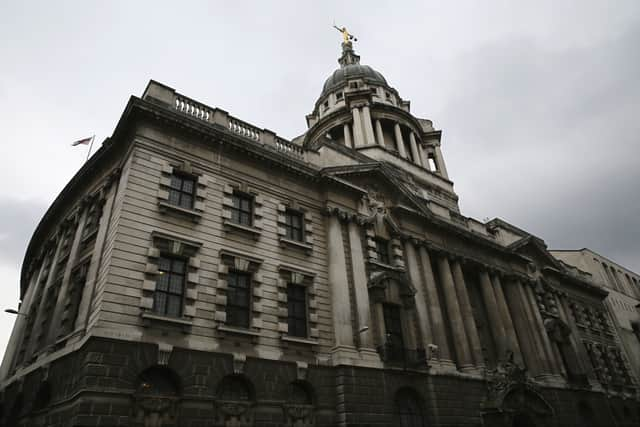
(538,101)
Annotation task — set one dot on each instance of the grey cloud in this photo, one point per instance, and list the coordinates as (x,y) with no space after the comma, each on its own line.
(548,139)
(18,220)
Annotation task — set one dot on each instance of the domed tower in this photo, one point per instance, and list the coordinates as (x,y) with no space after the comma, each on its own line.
(359,110)
(360,118)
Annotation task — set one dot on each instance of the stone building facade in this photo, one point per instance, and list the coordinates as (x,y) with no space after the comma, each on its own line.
(201,271)
(623,301)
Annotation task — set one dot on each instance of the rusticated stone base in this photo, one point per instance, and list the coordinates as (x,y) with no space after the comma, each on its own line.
(118,383)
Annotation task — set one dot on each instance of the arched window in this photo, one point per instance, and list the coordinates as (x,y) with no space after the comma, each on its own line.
(158,381)
(409,409)
(234,387)
(299,393)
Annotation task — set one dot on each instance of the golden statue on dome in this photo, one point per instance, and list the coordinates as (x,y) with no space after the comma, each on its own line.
(346,36)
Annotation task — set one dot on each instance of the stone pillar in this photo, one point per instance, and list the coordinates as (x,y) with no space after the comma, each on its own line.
(368,126)
(19,326)
(553,363)
(440,162)
(360,285)
(423,158)
(460,342)
(414,149)
(503,310)
(62,295)
(399,141)
(338,282)
(84,314)
(358,135)
(495,322)
(437,322)
(522,327)
(347,136)
(41,304)
(538,349)
(583,358)
(467,313)
(379,134)
(421,302)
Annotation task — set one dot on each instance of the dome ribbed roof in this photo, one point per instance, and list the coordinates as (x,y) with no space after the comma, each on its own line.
(351,71)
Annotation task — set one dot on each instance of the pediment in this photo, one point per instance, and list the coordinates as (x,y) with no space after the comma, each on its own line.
(536,250)
(383,186)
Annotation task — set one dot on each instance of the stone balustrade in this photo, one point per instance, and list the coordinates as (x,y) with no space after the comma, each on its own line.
(168,97)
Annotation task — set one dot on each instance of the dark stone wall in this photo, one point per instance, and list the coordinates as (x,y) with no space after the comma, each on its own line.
(97,385)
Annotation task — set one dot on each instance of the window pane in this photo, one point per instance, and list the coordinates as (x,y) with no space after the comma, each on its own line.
(175,284)
(159,302)
(186,201)
(162,284)
(176,182)
(178,266)
(187,186)
(174,305)
(174,197)
(164,264)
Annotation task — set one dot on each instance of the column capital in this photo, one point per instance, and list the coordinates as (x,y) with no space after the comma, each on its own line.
(342,214)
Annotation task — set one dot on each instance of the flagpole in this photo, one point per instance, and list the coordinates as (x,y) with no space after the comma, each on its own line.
(90,145)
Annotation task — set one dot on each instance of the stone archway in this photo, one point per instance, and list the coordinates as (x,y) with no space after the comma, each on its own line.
(518,405)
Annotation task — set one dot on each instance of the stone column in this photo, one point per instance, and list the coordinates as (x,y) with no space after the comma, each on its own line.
(553,363)
(62,295)
(493,313)
(84,314)
(399,141)
(368,126)
(360,285)
(421,302)
(347,136)
(414,149)
(583,358)
(460,342)
(539,349)
(358,135)
(467,313)
(423,158)
(503,310)
(379,134)
(522,327)
(440,162)
(19,326)
(437,322)
(339,284)
(41,304)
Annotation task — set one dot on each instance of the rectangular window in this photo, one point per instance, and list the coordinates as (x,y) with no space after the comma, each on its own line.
(242,209)
(393,327)
(181,191)
(339,96)
(167,298)
(297,310)
(382,248)
(238,299)
(293,225)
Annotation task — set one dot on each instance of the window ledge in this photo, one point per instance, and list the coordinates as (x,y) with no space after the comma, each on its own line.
(385,266)
(167,319)
(191,213)
(255,232)
(298,340)
(296,244)
(237,330)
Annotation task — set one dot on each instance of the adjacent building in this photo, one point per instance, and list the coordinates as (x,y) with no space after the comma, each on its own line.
(623,301)
(202,271)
